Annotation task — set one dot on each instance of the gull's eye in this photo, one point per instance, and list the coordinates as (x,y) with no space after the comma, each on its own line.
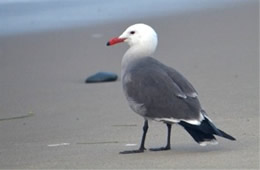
(132,32)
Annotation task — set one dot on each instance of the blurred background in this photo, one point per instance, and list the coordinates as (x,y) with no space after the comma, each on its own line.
(18,16)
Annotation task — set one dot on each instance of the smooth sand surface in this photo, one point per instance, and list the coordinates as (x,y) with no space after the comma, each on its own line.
(76,125)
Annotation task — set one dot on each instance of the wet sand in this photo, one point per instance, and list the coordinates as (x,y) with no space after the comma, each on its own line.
(49,118)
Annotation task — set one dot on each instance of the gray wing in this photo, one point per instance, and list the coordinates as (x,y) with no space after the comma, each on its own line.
(186,87)
(161,91)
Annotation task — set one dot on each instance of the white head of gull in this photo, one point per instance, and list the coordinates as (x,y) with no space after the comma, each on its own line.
(142,40)
(159,92)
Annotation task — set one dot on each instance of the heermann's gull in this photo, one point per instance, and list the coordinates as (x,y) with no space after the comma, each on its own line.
(158,92)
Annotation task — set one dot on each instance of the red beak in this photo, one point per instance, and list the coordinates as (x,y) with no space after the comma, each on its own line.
(114,41)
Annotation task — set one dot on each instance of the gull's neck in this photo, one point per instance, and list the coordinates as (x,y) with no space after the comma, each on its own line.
(134,53)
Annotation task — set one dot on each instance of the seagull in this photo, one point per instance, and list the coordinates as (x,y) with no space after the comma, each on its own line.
(158,92)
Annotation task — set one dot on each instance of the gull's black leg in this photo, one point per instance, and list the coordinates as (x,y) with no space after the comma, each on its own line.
(145,129)
(168,145)
(142,148)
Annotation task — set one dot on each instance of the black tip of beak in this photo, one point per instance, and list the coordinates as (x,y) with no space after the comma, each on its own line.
(108,44)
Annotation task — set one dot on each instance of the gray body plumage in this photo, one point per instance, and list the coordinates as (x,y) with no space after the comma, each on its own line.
(159,91)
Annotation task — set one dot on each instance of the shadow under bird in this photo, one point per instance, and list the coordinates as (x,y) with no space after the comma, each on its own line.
(159,92)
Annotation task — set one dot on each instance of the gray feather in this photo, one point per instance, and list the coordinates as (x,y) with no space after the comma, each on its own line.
(162,91)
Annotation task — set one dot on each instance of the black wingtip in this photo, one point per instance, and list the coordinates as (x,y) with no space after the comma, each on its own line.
(108,44)
(225,135)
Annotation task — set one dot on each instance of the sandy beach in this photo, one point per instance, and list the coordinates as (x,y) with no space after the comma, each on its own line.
(51,119)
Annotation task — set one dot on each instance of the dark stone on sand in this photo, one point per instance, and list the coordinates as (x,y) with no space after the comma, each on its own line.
(101,77)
